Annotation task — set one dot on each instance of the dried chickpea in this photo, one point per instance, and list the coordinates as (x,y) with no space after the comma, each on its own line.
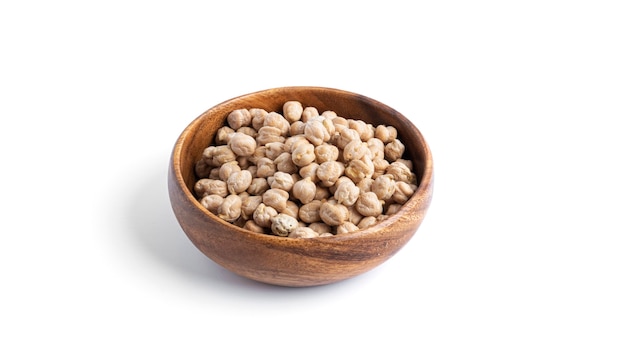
(400,172)
(263,215)
(230,209)
(367,222)
(223,134)
(206,186)
(239,118)
(385,133)
(355,149)
(242,144)
(326,234)
(222,155)
(292,142)
(368,204)
(329,171)
(274,149)
(258,117)
(243,162)
(346,136)
(309,171)
(376,147)
(347,193)
(316,132)
(247,130)
(308,113)
(326,152)
(329,114)
(403,192)
(292,110)
(227,169)
(304,190)
(281,180)
(269,134)
(361,127)
(239,181)
(346,227)
(384,187)
(215,173)
(320,227)
(321,192)
(354,216)
(296,128)
(357,170)
(265,167)
(292,209)
(202,169)
(394,150)
(207,155)
(365,185)
(284,163)
(310,212)
(259,153)
(303,232)
(249,205)
(393,208)
(276,198)
(283,224)
(212,202)
(380,167)
(303,154)
(277,120)
(333,214)
(250,225)
(252,168)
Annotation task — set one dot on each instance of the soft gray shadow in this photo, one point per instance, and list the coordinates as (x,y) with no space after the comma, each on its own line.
(156,230)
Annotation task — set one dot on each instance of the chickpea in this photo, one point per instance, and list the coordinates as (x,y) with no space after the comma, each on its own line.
(303,154)
(292,110)
(355,149)
(239,118)
(227,169)
(400,172)
(265,167)
(394,150)
(212,202)
(367,222)
(292,209)
(333,214)
(380,167)
(258,117)
(303,232)
(250,225)
(365,185)
(247,130)
(274,149)
(347,193)
(357,170)
(205,186)
(222,155)
(403,192)
(269,134)
(368,204)
(326,152)
(304,190)
(202,169)
(283,224)
(316,132)
(276,198)
(239,181)
(309,171)
(346,227)
(346,136)
(249,205)
(277,120)
(284,163)
(310,212)
(230,209)
(385,133)
(263,215)
(328,172)
(393,209)
(281,180)
(296,128)
(308,113)
(223,134)
(320,227)
(384,187)
(376,147)
(321,192)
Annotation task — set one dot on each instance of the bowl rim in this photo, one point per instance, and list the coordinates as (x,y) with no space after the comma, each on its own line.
(424,187)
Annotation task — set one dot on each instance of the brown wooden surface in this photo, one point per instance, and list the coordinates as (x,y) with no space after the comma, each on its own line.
(286,261)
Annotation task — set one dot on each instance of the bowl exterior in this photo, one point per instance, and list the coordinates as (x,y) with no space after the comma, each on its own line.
(286,261)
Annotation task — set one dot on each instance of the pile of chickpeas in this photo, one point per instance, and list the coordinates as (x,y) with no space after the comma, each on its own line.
(302,174)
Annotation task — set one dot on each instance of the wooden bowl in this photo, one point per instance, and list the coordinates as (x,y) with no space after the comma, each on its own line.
(287,261)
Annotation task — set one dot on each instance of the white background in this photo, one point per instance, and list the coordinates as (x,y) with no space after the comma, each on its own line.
(523,104)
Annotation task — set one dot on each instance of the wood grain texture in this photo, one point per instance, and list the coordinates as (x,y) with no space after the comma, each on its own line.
(287,261)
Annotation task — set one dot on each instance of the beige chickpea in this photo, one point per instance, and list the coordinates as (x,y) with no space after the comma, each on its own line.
(309,171)
(242,144)
(292,209)
(304,190)
(339,121)
(281,180)
(326,234)
(297,128)
(357,170)
(346,227)
(284,163)
(207,155)
(223,134)
(303,232)
(310,212)
(303,154)
(239,118)
(212,202)
(326,152)
(316,132)
(377,148)
(393,209)
(308,113)
(249,205)
(258,117)
(222,155)
(346,136)
(330,127)
(320,227)
(321,192)
(341,179)
(403,192)
(365,185)
(250,225)
(329,114)
(384,187)
(250,131)
(259,153)
(283,224)
(394,150)
(230,209)
(227,169)
(276,198)
(207,186)
(347,193)
(202,169)
(400,172)
(353,215)
(239,181)
(292,142)
(328,172)
(274,149)
(269,134)
(380,167)
(385,133)
(252,168)
(263,215)
(355,149)
(243,162)
(278,121)
(333,214)
(367,221)
(368,204)
(265,167)
(292,110)
(215,173)
(258,185)
(362,128)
